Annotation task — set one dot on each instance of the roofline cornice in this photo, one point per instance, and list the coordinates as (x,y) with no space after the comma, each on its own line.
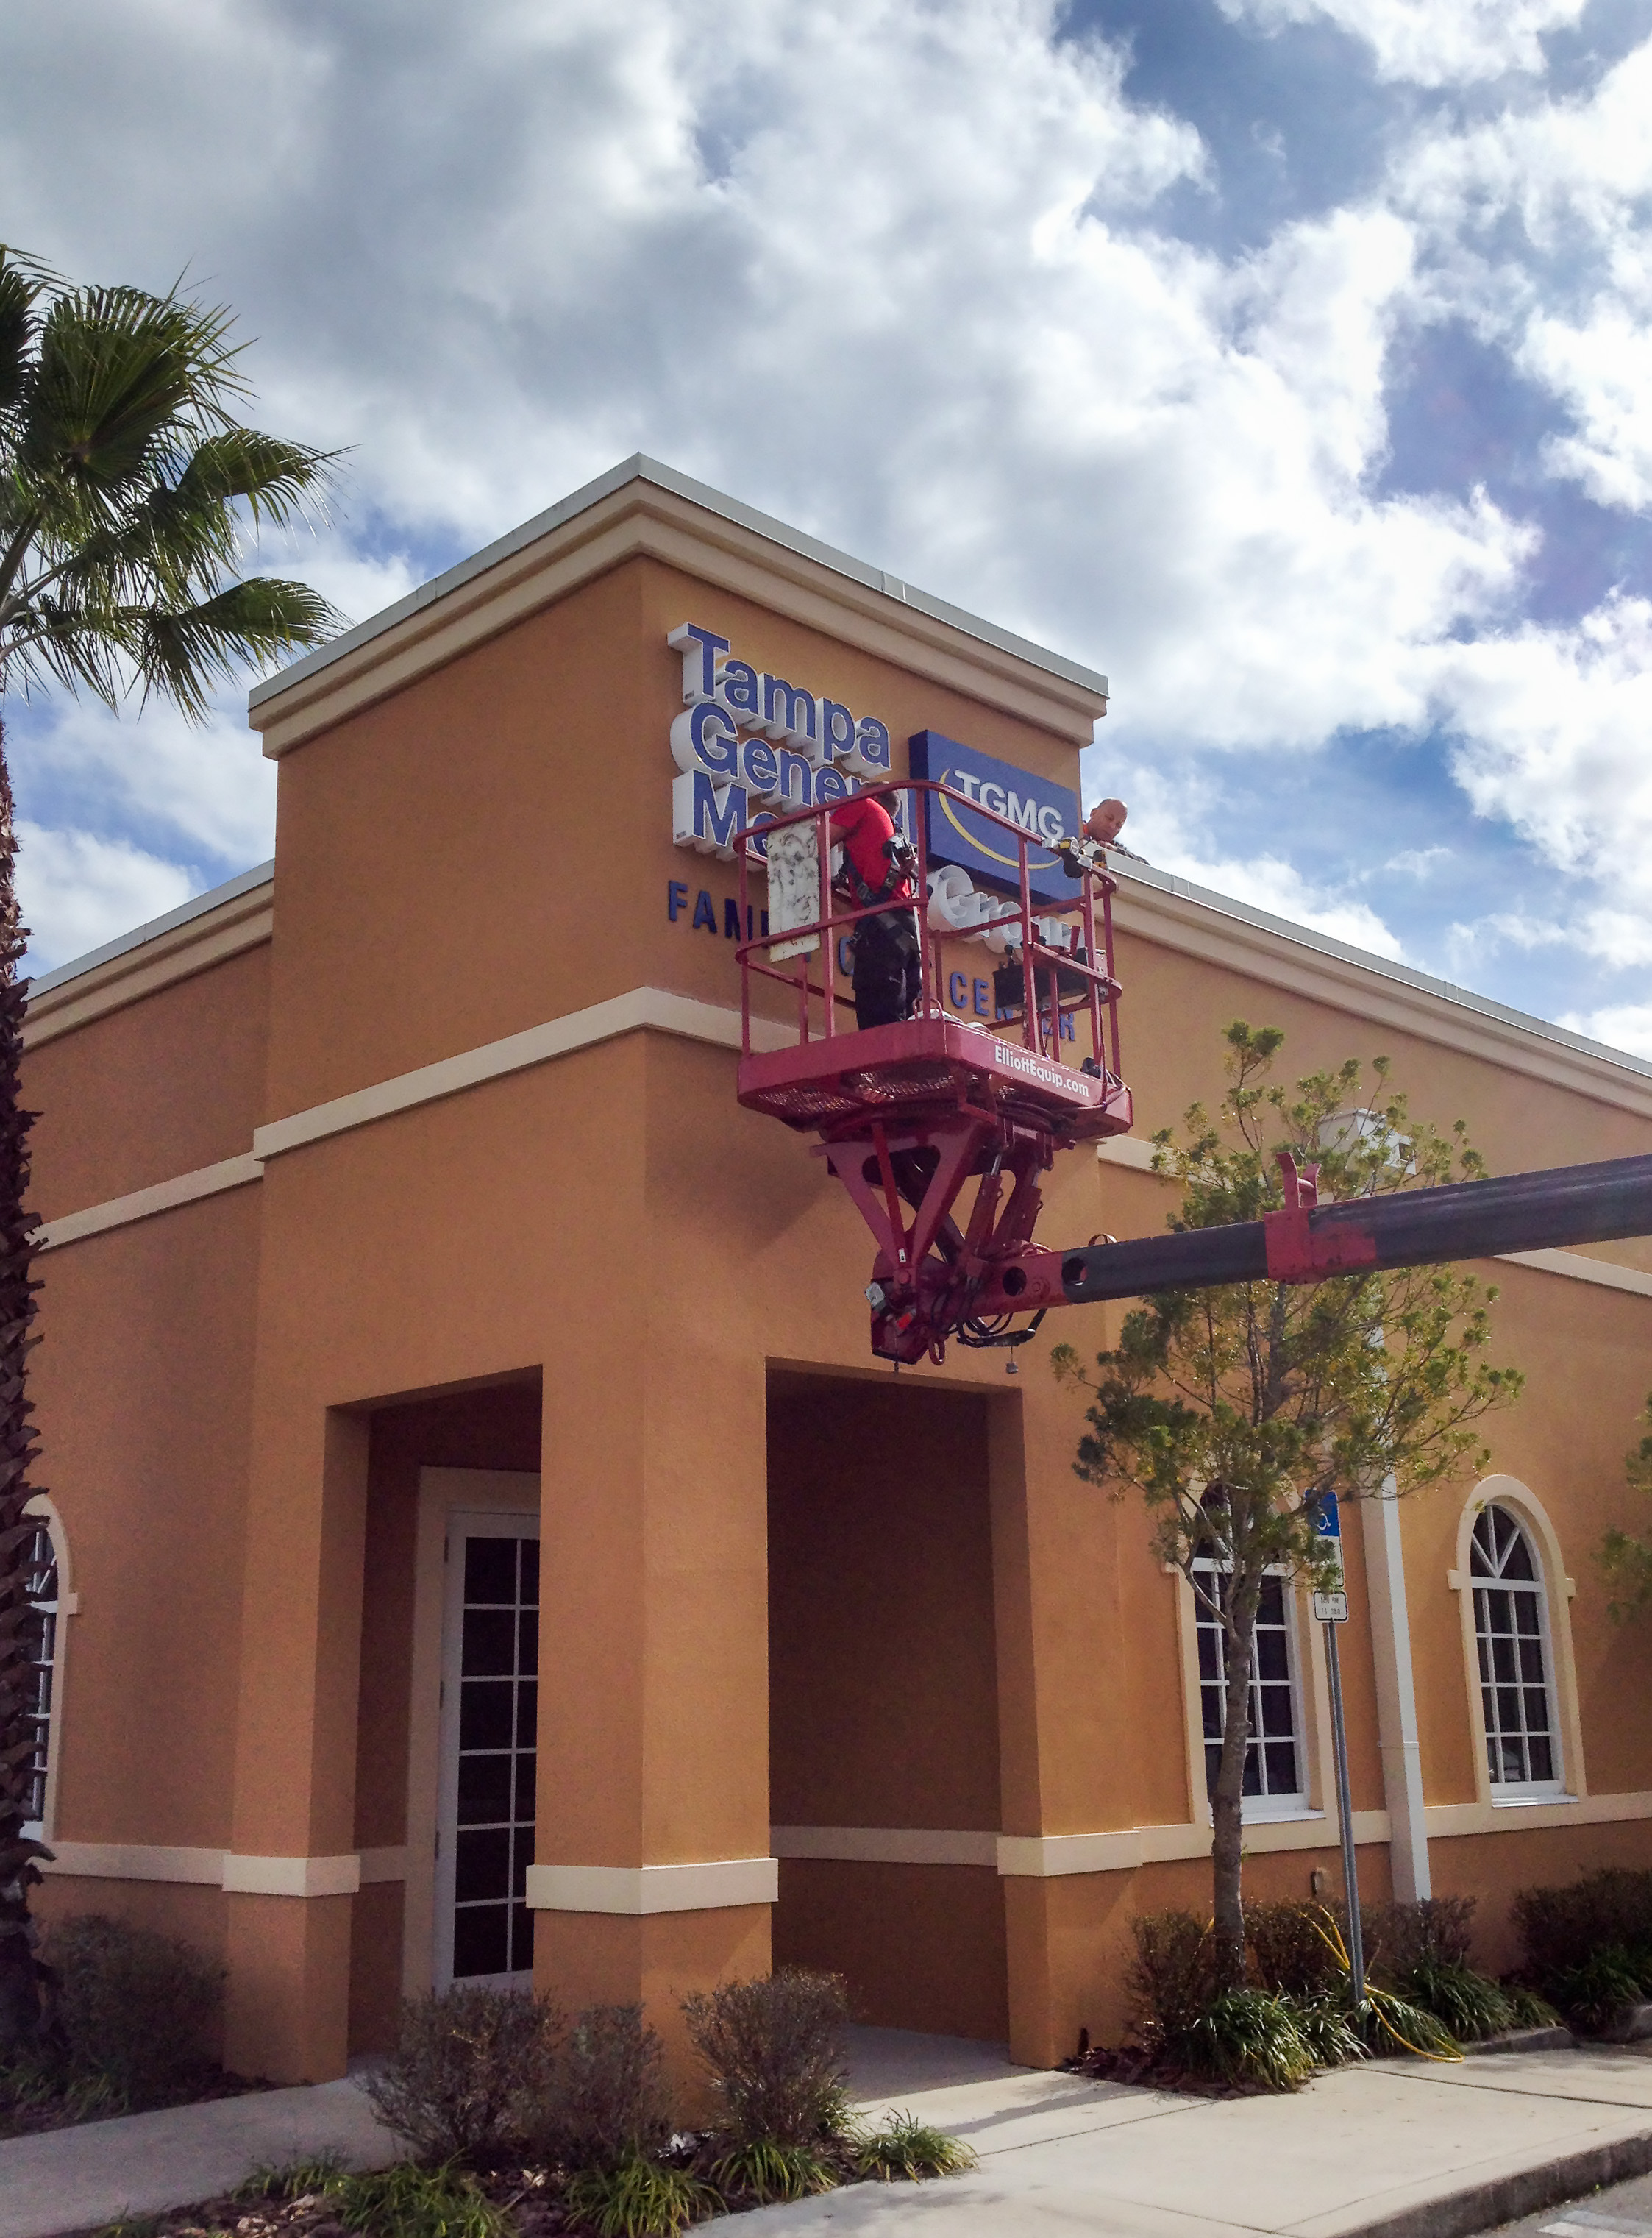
(642,508)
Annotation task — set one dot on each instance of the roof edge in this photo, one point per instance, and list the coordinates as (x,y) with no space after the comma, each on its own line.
(62,974)
(640,467)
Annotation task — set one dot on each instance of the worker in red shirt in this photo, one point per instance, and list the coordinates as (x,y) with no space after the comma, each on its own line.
(877,867)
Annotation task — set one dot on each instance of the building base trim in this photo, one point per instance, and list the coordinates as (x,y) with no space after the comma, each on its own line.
(135,1860)
(292,1876)
(718,1884)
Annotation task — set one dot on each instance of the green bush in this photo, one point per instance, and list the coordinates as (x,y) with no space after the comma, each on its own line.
(1593,1993)
(1326,2026)
(1293,1947)
(1467,2003)
(1400,1937)
(1171,1981)
(1247,2037)
(763,2171)
(774,2049)
(409,2201)
(469,2066)
(637,2198)
(134,2010)
(605,2106)
(1563,1928)
(908,2148)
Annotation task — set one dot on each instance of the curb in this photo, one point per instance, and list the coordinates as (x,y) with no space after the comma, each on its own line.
(1506,2198)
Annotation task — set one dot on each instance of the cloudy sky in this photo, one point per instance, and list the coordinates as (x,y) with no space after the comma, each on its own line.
(1289,359)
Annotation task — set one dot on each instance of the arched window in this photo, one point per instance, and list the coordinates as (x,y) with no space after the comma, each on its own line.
(1511,1636)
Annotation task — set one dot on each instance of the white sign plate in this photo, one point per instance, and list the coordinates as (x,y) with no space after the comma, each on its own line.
(1331,1608)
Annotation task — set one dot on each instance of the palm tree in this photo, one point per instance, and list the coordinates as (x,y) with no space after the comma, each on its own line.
(125,479)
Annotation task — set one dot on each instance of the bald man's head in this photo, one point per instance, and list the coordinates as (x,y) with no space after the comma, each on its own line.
(1106,821)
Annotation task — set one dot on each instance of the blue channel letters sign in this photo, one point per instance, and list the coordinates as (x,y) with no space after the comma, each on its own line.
(1044,811)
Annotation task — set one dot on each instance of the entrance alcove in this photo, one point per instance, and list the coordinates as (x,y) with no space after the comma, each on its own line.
(884,1697)
(422,1453)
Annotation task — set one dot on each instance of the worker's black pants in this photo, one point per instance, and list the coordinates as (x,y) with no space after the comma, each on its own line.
(888,978)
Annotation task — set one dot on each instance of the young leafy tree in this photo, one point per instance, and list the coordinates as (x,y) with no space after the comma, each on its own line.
(125,481)
(1626,1556)
(1231,1410)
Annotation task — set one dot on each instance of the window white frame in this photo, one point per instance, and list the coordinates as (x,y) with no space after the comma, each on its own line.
(66,1604)
(441,1491)
(1560,1667)
(1303,1800)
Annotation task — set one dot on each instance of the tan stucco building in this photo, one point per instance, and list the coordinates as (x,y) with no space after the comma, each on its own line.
(414,1286)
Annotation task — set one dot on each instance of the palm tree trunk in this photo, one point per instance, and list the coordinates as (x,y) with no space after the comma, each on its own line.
(19,1974)
(1227,1797)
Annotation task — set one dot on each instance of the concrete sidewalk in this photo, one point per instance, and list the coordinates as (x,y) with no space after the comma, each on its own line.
(75,2179)
(1392,2149)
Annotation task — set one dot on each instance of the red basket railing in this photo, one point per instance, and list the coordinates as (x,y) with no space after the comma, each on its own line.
(1055,980)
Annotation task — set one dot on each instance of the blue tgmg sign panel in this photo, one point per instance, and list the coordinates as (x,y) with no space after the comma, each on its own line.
(1045,812)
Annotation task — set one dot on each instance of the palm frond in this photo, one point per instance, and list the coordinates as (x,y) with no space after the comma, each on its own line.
(181,654)
(119,373)
(23,283)
(274,478)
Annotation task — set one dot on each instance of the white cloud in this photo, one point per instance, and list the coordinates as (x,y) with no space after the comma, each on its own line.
(1555,726)
(902,273)
(1417,861)
(1267,883)
(1428,42)
(78,891)
(1624,1026)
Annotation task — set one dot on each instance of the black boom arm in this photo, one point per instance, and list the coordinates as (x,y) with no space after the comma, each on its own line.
(1306,1242)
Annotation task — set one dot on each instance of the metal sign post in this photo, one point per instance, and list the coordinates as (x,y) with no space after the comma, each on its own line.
(1331,1609)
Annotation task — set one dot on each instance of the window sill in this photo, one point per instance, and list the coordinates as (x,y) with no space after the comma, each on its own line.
(1292,1813)
(1531,1801)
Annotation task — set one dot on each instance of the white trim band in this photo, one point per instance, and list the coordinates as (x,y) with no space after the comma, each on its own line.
(887,1845)
(141,1204)
(717,1885)
(292,1876)
(239,1876)
(135,1861)
(641,1008)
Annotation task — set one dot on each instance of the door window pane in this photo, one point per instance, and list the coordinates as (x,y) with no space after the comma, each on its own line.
(498,1668)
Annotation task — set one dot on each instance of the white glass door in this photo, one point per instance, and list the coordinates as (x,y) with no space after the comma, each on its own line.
(489,1707)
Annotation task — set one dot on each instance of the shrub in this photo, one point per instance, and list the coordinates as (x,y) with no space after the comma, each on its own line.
(1293,1947)
(763,2171)
(637,2198)
(1400,1937)
(1563,1929)
(1467,2003)
(135,2008)
(1325,2025)
(1592,1994)
(1171,1982)
(291,2179)
(606,2104)
(469,2064)
(409,2201)
(909,2149)
(775,2050)
(1246,2036)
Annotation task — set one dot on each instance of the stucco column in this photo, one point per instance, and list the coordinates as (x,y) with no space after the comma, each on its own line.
(653,1875)
(292,1869)
(1396,1729)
